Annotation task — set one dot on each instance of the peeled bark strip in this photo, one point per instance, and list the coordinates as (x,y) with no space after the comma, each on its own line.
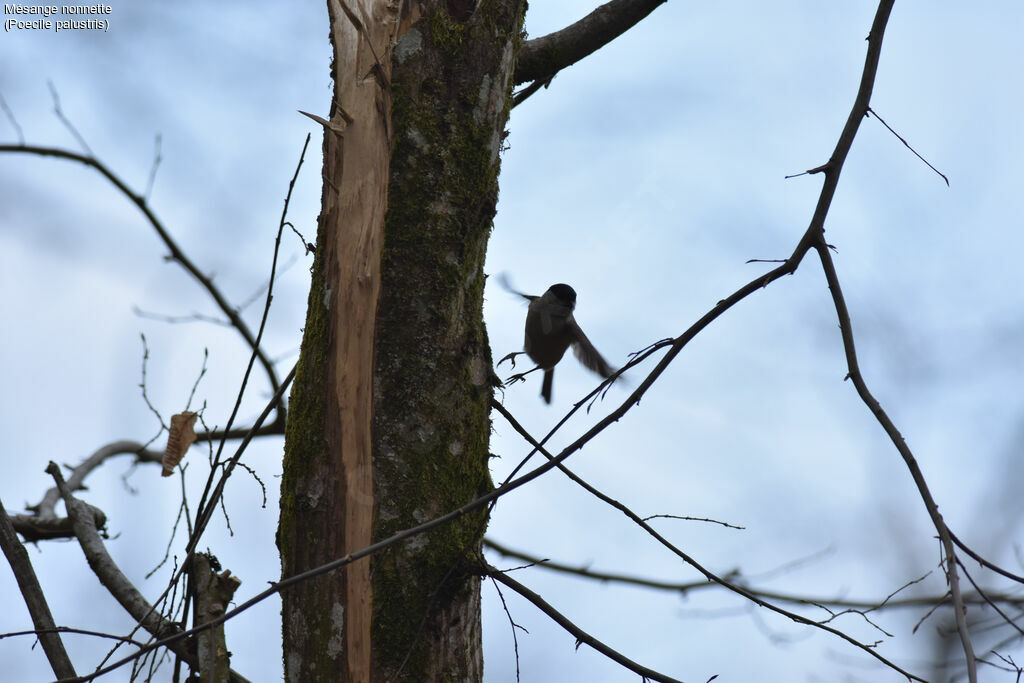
(327,490)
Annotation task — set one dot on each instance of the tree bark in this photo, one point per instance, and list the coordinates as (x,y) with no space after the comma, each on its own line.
(389,418)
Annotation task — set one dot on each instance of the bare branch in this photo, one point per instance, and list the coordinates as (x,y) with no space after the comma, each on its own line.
(178,319)
(205,511)
(35,600)
(578,633)
(686,587)
(45,509)
(494,494)
(815,237)
(1011,665)
(201,523)
(115,581)
(75,631)
(541,58)
(908,457)
(709,575)
(103,565)
(33,529)
(522,95)
(834,166)
(990,601)
(176,254)
(983,562)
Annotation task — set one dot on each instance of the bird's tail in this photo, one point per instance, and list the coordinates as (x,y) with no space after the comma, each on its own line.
(545,390)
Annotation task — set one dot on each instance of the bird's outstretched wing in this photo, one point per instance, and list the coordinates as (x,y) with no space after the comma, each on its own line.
(585,351)
(506,284)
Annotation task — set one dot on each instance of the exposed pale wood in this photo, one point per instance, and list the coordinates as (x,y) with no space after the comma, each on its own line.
(213,594)
(357,150)
(357,164)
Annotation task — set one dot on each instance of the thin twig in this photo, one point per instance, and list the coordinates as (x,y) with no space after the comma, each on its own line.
(686,587)
(581,636)
(45,509)
(476,504)
(157,158)
(253,432)
(145,393)
(907,145)
(983,562)
(73,631)
(176,254)
(524,94)
(687,518)
(14,122)
(991,603)
(258,293)
(204,510)
(511,622)
(210,498)
(709,575)
(930,611)
(199,378)
(114,580)
(1012,665)
(181,319)
(63,119)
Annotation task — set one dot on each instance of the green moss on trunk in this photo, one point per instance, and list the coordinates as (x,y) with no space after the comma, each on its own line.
(432,379)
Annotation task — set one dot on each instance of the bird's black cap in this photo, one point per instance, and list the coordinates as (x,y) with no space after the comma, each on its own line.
(564,292)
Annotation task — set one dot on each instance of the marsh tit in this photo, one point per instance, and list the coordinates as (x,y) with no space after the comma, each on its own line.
(550,330)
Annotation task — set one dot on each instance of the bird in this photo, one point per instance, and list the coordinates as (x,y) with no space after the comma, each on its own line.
(551,329)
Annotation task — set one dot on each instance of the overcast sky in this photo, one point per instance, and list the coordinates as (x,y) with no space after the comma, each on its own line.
(646,177)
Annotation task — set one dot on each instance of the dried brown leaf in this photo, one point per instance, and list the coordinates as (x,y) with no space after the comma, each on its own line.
(182,435)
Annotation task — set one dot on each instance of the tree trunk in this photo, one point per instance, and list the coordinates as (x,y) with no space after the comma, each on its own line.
(388,424)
